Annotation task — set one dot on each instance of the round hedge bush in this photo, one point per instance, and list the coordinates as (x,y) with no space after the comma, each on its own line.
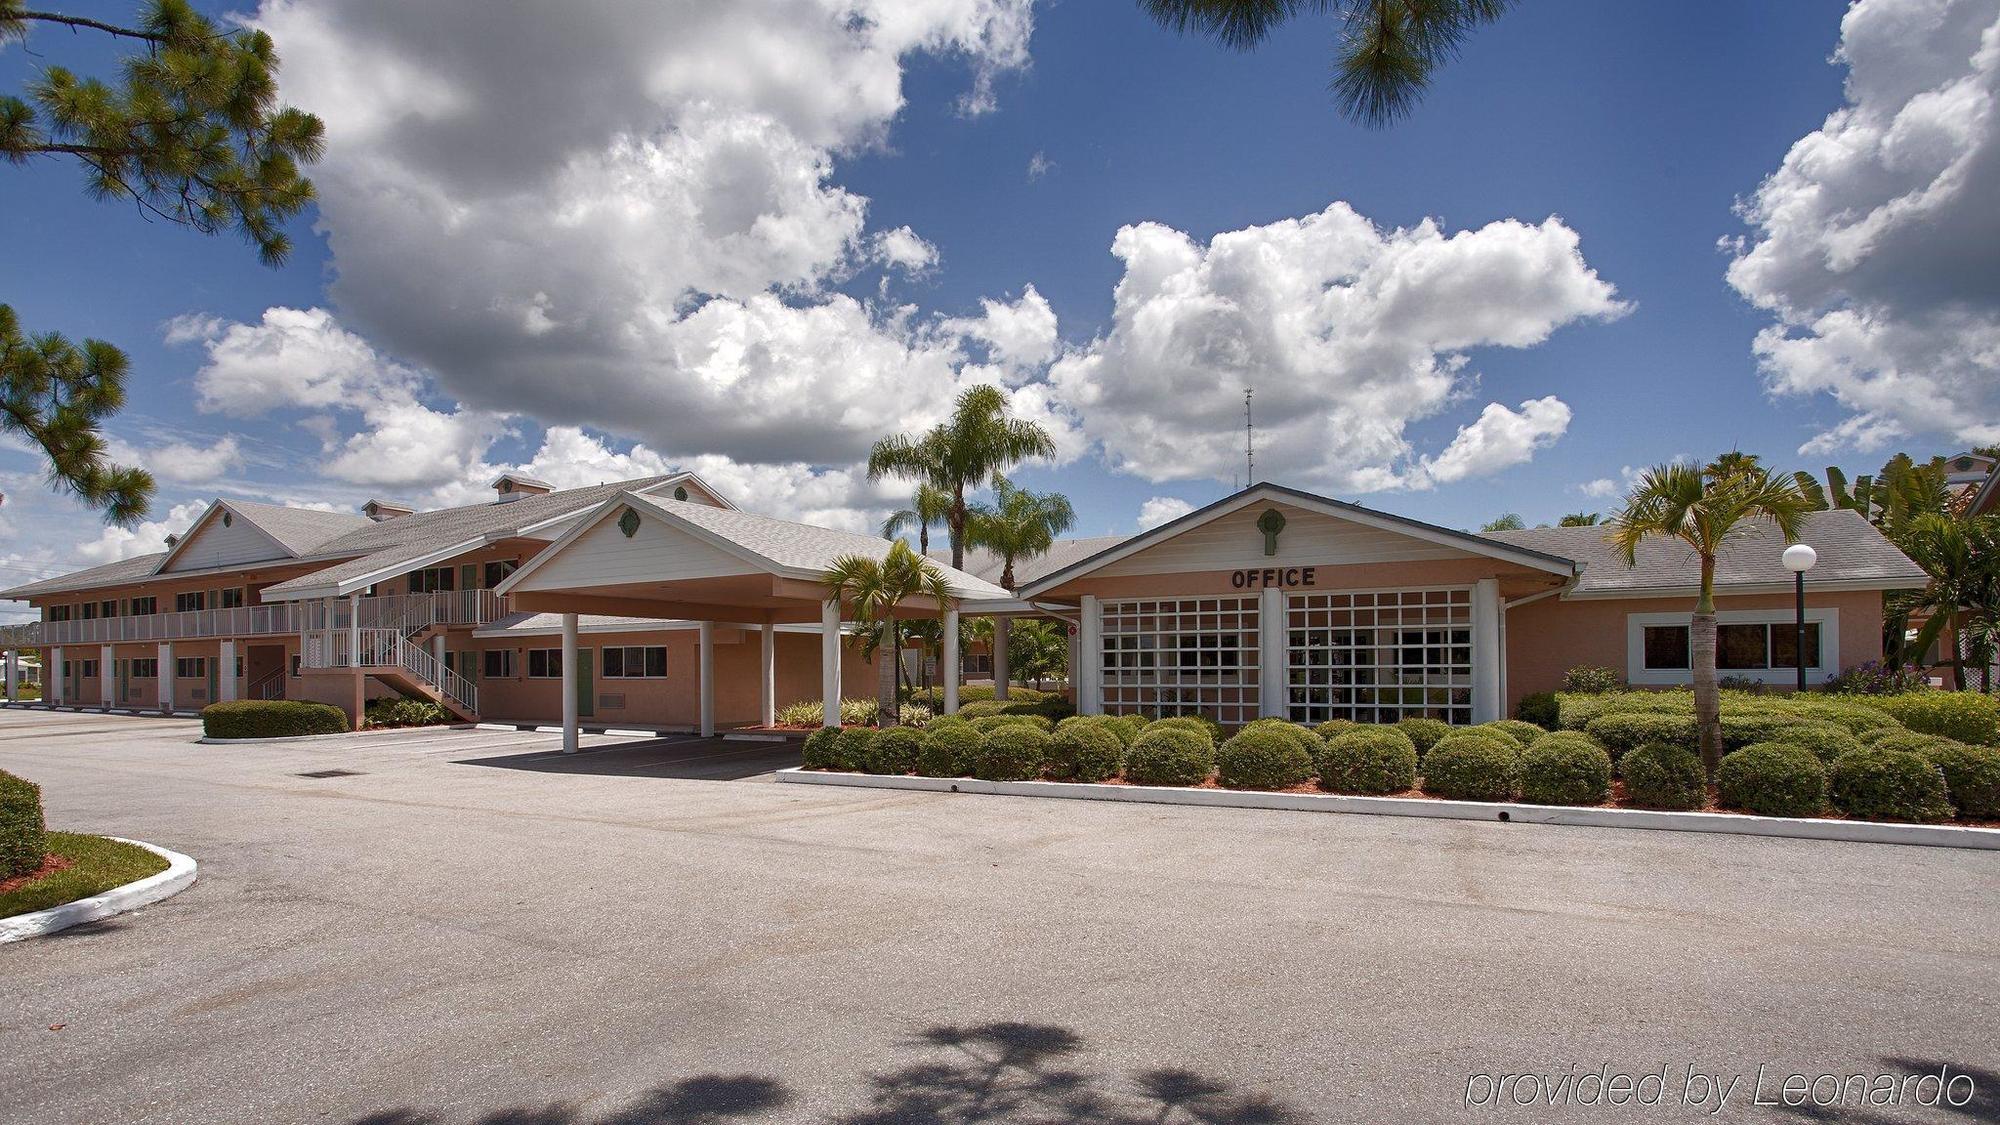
(986,724)
(1662,775)
(1307,742)
(851,747)
(893,750)
(1472,767)
(1741,728)
(1170,755)
(1772,779)
(23,835)
(1086,751)
(1962,716)
(1971,777)
(271,718)
(1568,738)
(1181,722)
(1827,741)
(1539,708)
(1907,740)
(1621,731)
(1261,756)
(981,709)
(1424,733)
(1565,771)
(1333,727)
(1368,760)
(1129,727)
(1016,752)
(1523,733)
(1881,784)
(948,749)
(822,750)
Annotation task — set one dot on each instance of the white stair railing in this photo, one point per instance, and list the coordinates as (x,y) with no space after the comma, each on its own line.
(388,648)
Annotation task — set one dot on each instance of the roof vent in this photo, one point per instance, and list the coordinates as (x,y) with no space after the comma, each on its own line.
(171,540)
(513,486)
(379,510)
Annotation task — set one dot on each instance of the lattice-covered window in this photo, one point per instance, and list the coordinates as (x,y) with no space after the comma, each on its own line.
(1379,656)
(1181,656)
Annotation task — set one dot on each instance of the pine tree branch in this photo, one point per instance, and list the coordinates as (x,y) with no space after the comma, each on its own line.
(74,22)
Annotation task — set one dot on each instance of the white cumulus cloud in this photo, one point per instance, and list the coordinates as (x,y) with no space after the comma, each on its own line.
(1498,439)
(1162,509)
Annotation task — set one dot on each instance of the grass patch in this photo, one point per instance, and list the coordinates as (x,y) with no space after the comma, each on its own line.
(98,865)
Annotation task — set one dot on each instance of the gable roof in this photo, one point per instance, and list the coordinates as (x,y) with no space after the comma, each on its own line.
(1853,554)
(1339,509)
(294,532)
(109,574)
(1062,553)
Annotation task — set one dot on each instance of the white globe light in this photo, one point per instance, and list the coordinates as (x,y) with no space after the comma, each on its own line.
(1800,558)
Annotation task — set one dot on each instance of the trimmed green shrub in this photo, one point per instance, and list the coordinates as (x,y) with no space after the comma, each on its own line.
(23,835)
(271,718)
(1188,723)
(1334,727)
(1827,741)
(1133,725)
(1472,767)
(1871,737)
(1262,756)
(1523,734)
(1741,728)
(1308,743)
(1574,712)
(1590,679)
(1772,779)
(1368,760)
(822,750)
(1539,708)
(1883,784)
(1016,752)
(1662,775)
(986,724)
(1620,731)
(982,709)
(1906,740)
(949,748)
(1424,733)
(1170,755)
(1961,716)
(1086,750)
(1563,770)
(851,747)
(1858,718)
(893,750)
(404,713)
(1971,777)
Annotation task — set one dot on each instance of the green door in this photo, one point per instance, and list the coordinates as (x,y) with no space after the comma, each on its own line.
(586,689)
(214,677)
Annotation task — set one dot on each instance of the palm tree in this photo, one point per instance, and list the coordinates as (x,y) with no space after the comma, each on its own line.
(1580,519)
(929,506)
(1506,521)
(1387,54)
(961,453)
(875,589)
(1704,508)
(1962,598)
(1019,525)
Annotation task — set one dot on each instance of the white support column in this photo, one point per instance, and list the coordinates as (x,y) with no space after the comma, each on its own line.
(225,676)
(107,677)
(706,631)
(951,671)
(1001,672)
(829,663)
(166,655)
(1271,654)
(52,676)
(437,648)
(1486,653)
(767,685)
(13,675)
(1090,652)
(570,739)
(354,630)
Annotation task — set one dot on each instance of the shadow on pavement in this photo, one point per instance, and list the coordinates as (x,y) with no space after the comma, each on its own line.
(695,759)
(1983,1104)
(992,1072)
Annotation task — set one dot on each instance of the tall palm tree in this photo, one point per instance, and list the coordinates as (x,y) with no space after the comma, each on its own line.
(929,506)
(961,453)
(1962,598)
(875,589)
(1580,519)
(1388,49)
(1704,508)
(1018,525)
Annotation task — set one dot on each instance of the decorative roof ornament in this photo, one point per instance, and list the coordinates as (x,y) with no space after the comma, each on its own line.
(1271,523)
(629,523)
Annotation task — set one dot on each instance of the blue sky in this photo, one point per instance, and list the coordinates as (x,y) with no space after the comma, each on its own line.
(477,270)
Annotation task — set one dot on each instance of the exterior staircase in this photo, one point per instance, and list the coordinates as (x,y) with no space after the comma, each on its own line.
(388,655)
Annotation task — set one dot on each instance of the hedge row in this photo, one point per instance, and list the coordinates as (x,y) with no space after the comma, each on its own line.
(23,836)
(1966,717)
(270,718)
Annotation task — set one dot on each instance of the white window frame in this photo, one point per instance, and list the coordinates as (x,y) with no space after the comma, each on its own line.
(1227,693)
(1454,685)
(1827,618)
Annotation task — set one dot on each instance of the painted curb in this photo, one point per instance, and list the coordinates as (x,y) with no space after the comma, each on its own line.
(178,876)
(1805,828)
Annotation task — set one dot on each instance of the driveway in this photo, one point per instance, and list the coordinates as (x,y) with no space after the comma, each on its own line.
(454,933)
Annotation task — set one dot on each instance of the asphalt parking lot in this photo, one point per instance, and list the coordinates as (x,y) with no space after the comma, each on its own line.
(469,928)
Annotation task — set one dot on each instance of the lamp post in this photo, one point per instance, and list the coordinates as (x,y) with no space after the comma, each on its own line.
(1800,558)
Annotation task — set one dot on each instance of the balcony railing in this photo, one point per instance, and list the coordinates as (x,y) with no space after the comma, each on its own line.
(387,648)
(404,613)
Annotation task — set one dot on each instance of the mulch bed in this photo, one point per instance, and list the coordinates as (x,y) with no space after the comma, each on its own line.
(50,866)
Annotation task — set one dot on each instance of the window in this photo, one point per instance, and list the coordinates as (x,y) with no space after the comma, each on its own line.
(499,664)
(1180,657)
(144,668)
(85,669)
(191,667)
(58,613)
(634,662)
(108,608)
(498,570)
(1739,646)
(90,610)
(239,668)
(144,606)
(545,663)
(194,600)
(295,666)
(233,598)
(1376,657)
(1666,647)
(433,579)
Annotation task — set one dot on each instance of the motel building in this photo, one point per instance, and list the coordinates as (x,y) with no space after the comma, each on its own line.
(658,604)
